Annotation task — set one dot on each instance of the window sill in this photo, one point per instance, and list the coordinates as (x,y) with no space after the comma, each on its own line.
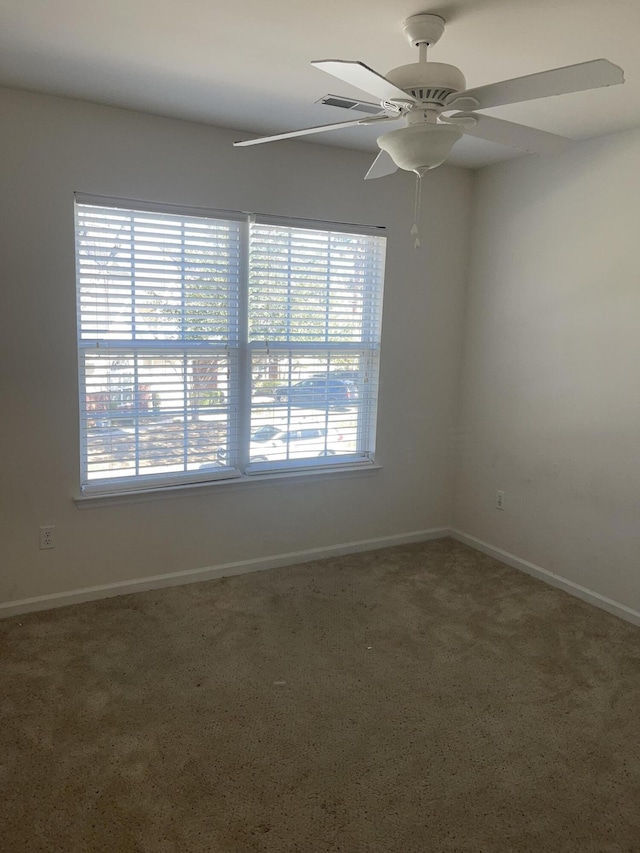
(243,481)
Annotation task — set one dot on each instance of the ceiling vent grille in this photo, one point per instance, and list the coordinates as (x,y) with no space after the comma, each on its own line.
(350,104)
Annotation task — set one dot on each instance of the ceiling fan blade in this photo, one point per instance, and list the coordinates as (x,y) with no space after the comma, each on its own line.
(381,166)
(322,128)
(362,77)
(527,139)
(558,81)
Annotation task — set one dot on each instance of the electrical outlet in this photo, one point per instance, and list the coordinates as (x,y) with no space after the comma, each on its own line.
(47,539)
(499,499)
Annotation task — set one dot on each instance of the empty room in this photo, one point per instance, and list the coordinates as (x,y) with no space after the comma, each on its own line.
(319,493)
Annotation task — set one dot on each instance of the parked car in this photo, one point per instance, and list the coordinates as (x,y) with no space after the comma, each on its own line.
(351,375)
(301,442)
(265,432)
(318,391)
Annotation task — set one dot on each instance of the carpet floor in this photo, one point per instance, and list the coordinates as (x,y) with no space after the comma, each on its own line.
(417,699)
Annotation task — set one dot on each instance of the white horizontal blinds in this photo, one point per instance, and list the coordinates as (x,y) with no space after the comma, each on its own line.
(315,299)
(319,286)
(183,348)
(319,418)
(158,343)
(145,414)
(156,276)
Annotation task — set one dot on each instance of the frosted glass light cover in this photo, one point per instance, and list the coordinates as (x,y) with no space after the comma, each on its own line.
(419,147)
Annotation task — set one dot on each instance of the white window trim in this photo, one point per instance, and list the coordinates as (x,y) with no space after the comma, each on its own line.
(242,481)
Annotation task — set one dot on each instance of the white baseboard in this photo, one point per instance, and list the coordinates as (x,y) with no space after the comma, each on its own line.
(75,596)
(621,610)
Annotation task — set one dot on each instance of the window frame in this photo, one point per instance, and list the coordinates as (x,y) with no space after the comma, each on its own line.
(239,414)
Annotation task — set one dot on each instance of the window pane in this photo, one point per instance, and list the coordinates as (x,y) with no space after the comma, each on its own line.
(152,276)
(315,404)
(318,286)
(150,414)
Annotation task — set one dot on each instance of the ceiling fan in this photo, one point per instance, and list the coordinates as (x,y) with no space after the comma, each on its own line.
(431,99)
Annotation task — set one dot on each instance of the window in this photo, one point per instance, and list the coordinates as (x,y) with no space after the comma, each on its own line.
(221,345)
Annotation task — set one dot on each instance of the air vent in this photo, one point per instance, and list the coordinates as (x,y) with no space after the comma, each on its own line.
(430,96)
(350,104)
(332,101)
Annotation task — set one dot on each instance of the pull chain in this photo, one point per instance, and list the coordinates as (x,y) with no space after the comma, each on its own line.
(416,211)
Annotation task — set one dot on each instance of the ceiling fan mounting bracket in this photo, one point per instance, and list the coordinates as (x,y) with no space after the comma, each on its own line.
(423,29)
(464,103)
(397,107)
(464,121)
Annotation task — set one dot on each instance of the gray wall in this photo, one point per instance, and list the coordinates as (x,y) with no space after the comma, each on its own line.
(51,147)
(550,391)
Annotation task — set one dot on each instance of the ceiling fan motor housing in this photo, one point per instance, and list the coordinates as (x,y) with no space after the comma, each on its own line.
(428,82)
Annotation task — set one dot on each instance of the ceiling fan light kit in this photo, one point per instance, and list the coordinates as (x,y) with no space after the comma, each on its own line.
(419,147)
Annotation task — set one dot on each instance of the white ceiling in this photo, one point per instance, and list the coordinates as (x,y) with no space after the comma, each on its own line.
(245,64)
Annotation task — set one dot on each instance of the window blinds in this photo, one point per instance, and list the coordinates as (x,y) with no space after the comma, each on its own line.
(194,365)
(314,324)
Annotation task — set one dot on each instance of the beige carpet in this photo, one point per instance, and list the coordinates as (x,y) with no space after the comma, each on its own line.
(412,700)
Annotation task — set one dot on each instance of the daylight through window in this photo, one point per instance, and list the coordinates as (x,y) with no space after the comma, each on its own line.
(217,345)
